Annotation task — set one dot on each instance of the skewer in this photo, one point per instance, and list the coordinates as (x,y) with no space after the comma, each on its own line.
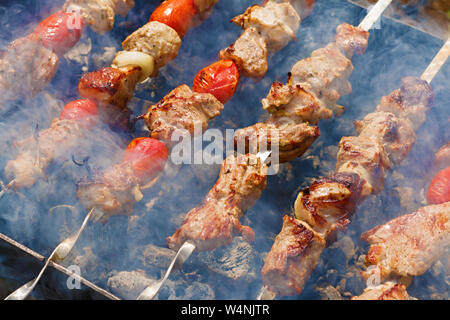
(366,24)
(59,254)
(182,255)
(433,68)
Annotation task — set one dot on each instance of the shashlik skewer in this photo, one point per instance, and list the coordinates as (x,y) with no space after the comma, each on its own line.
(327,206)
(291,106)
(37,54)
(107,91)
(349,39)
(112,190)
(182,109)
(404,247)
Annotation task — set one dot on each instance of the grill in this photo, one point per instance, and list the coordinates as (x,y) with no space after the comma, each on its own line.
(120,258)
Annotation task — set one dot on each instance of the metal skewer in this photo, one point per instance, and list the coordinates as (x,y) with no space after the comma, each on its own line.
(374,14)
(60,253)
(182,255)
(428,75)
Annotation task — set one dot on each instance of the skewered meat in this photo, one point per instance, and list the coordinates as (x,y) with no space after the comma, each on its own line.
(295,103)
(277,22)
(411,101)
(177,14)
(385,291)
(443,157)
(293,256)
(26,67)
(351,39)
(110,86)
(181,110)
(330,202)
(249,52)
(53,143)
(291,139)
(406,246)
(410,244)
(112,192)
(366,157)
(216,221)
(99,14)
(157,40)
(303,7)
(395,134)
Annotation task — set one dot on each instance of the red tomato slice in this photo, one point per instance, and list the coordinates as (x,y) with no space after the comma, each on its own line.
(147,156)
(439,189)
(56,32)
(220,79)
(177,14)
(83,111)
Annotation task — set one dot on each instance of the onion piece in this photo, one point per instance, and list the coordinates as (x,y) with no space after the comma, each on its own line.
(143,60)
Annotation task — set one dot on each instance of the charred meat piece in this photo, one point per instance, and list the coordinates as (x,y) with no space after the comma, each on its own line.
(385,291)
(293,257)
(326,72)
(181,110)
(410,244)
(157,40)
(295,103)
(411,101)
(366,157)
(26,68)
(99,14)
(214,223)
(395,134)
(112,192)
(277,22)
(443,157)
(330,202)
(249,52)
(110,86)
(34,157)
(291,139)
(351,39)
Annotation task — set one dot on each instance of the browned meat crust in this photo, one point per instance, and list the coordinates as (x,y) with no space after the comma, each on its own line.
(293,256)
(181,110)
(410,244)
(216,221)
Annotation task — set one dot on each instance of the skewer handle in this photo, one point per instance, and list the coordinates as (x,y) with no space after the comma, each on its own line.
(374,14)
(437,63)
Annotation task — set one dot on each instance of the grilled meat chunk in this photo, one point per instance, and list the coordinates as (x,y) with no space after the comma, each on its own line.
(216,221)
(411,101)
(295,103)
(395,134)
(249,52)
(330,202)
(326,72)
(181,110)
(443,157)
(112,192)
(110,86)
(277,22)
(410,244)
(100,14)
(35,156)
(351,39)
(385,291)
(26,68)
(291,139)
(293,257)
(366,157)
(157,40)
